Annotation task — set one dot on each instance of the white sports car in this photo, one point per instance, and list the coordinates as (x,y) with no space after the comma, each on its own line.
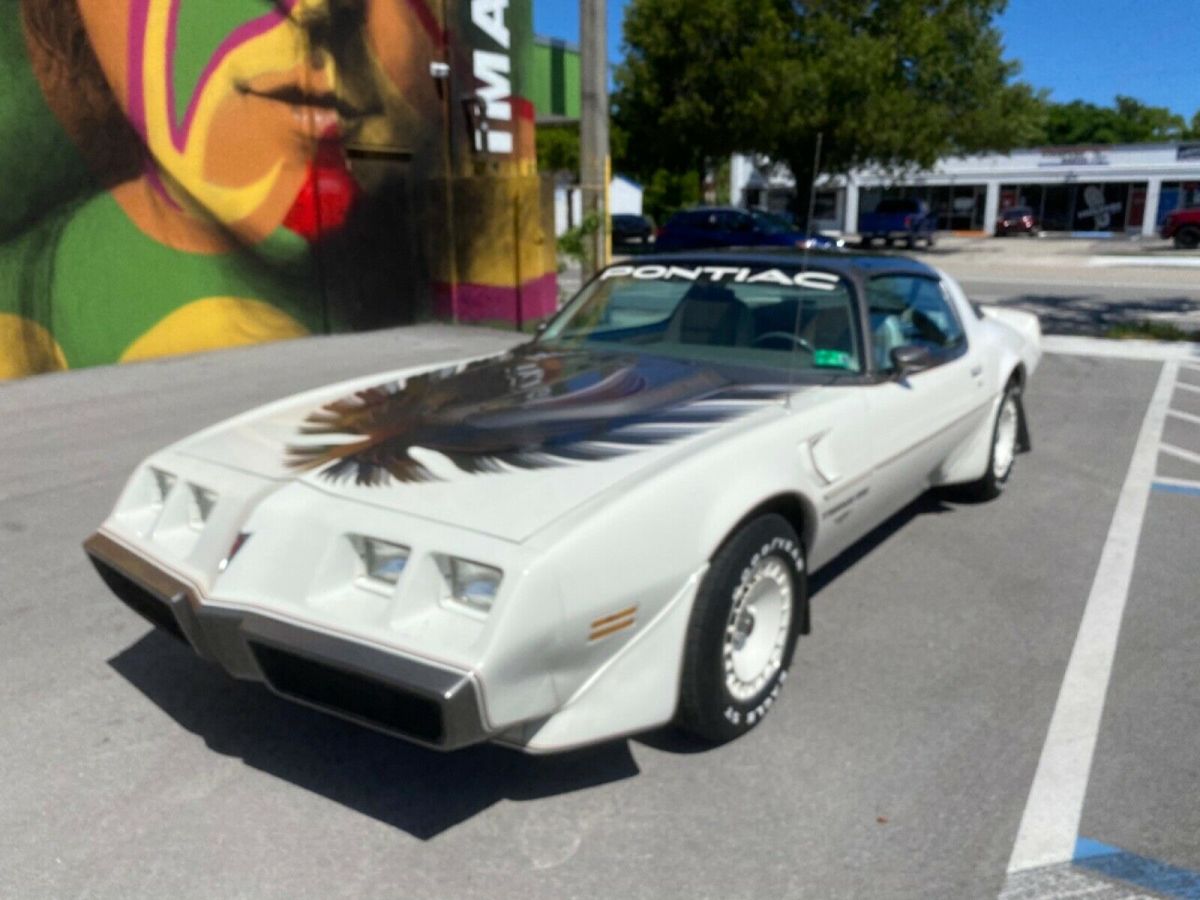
(601,531)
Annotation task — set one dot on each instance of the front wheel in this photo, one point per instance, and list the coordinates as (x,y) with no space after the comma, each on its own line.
(1006,434)
(1188,238)
(749,611)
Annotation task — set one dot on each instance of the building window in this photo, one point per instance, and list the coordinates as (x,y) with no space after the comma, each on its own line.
(1097,206)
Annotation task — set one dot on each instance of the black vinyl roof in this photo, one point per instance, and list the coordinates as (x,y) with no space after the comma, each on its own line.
(839,262)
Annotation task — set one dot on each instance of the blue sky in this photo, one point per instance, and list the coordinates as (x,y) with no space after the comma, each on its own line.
(1079,49)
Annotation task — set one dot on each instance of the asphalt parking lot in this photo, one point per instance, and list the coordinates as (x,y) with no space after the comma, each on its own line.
(899,762)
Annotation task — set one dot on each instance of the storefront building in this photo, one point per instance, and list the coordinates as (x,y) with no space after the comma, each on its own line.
(1084,191)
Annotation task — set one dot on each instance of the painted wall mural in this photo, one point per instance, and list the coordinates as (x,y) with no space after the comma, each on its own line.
(183,175)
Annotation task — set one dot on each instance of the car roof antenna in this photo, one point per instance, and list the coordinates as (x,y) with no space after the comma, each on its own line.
(812,206)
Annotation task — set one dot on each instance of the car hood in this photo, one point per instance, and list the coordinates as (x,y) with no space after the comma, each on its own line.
(503,446)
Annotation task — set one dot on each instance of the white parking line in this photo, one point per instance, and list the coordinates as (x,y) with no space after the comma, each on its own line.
(1180,453)
(1183,417)
(1050,823)
(1188,387)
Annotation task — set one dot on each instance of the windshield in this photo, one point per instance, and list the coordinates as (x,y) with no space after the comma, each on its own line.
(733,315)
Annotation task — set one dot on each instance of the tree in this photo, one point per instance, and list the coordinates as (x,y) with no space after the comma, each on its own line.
(1127,121)
(558,149)
(893,83)
(667,191)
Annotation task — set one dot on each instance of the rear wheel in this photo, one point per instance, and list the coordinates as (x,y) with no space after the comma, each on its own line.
(748,613)
(1188,238)
(1006,433)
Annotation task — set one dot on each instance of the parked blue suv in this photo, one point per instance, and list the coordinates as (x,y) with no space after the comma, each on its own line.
(727,226)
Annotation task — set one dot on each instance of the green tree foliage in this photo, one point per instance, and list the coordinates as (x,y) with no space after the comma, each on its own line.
(895,83)
(1127,121)
(667,191)
(558,149)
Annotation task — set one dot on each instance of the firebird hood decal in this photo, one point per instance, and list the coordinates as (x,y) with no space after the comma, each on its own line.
(532,408)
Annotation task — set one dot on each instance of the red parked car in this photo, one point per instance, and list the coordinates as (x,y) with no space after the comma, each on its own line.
(1183,226)
(1016,220)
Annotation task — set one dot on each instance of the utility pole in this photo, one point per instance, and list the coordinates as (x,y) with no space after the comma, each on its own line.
(593,130)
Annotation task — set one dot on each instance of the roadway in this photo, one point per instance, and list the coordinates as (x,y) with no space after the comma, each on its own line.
(898,763)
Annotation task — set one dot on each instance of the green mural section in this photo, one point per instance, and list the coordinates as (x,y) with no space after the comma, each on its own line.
(39,166)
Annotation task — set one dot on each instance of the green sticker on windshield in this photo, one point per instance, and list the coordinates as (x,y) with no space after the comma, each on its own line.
(831,359)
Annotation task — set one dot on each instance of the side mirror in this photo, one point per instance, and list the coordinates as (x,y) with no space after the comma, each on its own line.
(541,328)
(910,358)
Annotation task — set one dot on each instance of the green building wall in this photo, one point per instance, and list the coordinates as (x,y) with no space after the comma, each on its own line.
(554,85)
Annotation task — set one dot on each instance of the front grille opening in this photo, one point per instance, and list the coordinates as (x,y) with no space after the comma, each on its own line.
(149,606)
(357,696)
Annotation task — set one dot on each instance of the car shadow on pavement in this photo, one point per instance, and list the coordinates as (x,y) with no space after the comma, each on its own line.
(933,502)
(419,791)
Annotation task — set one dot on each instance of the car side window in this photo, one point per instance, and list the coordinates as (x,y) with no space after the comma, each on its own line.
(912,310)
(736,221)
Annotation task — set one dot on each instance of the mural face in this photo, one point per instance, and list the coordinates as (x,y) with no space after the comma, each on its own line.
(229,96)
(194,174)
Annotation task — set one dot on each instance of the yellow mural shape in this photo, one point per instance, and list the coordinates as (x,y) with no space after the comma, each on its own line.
(212,324)
(27,348)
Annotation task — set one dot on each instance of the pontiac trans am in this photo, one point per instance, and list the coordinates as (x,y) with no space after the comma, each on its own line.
(601,531)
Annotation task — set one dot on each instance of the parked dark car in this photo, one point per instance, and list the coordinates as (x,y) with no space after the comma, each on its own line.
(904,219)
(1016,220)
(629,230)
(716,226)
(1183,226)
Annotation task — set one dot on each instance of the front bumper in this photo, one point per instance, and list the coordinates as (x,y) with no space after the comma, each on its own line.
(426,703)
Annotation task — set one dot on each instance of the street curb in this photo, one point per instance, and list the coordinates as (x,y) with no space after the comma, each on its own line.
(1113,262)
(1155,351)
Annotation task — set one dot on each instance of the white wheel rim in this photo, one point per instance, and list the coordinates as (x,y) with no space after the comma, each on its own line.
(1005,449)
(756,633)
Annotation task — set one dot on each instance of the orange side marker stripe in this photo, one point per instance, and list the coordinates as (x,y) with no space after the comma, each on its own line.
(611,629)
(623,614)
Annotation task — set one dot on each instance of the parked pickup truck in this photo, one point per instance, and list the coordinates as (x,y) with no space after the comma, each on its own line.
(1183,226)
(898,220)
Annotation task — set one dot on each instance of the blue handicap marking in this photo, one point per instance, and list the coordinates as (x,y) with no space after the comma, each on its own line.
(1149,874)
(1166,488)
(1086,848)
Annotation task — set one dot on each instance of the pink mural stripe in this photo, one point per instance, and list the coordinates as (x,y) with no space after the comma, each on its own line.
(135,65)
(429,22)
(535,299)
